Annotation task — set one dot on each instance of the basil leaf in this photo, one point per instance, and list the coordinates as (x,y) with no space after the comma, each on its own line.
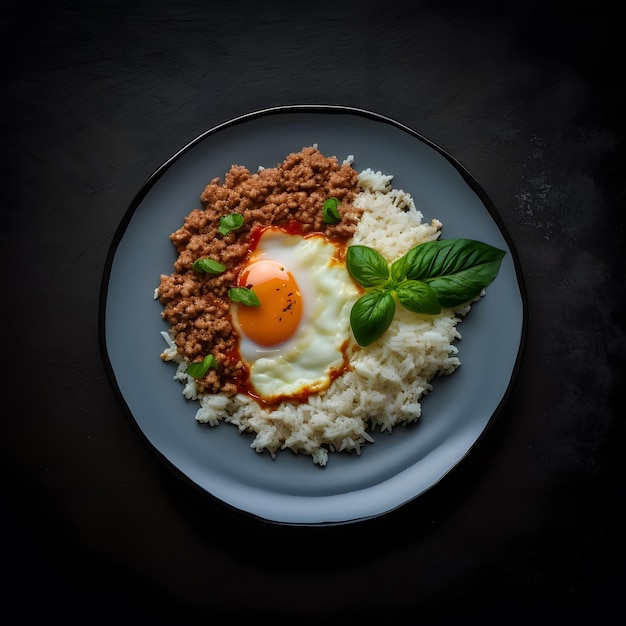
(208,266)
(418,297)
(371,316)
(198,370)
(398,269)
(330,212)
(230,222)
(367,266)
(244,295)
(456,269)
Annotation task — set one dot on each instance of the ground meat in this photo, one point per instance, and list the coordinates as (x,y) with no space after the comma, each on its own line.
(195,304)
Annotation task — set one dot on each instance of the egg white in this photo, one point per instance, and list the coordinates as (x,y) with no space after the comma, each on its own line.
(305,360)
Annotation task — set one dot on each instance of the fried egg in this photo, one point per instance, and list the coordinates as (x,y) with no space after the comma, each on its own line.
(294,341)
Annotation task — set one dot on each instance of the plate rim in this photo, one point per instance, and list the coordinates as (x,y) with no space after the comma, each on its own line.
(156,175)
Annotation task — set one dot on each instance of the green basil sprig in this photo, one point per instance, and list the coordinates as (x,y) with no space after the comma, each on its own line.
(208,266)
(230,222)
(330,212)
(244,295)
(198,370)
(443,273)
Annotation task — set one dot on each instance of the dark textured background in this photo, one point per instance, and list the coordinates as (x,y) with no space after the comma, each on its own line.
(529,96)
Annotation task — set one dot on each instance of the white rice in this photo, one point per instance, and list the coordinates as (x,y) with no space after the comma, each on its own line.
(388,378)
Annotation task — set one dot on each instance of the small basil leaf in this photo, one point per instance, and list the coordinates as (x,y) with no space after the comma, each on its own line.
(198,370)
(330,212)
(398,269)
(230,222)
(244,295)
(208,266)
(371,316)
(367,266)
(456,269)
(418,297)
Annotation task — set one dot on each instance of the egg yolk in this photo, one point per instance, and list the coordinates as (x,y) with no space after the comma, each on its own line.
(278,316)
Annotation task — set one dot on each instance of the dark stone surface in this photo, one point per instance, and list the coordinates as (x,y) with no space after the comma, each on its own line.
(526,95)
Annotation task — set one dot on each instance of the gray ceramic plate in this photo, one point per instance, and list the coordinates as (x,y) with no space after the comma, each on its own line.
(291,489)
